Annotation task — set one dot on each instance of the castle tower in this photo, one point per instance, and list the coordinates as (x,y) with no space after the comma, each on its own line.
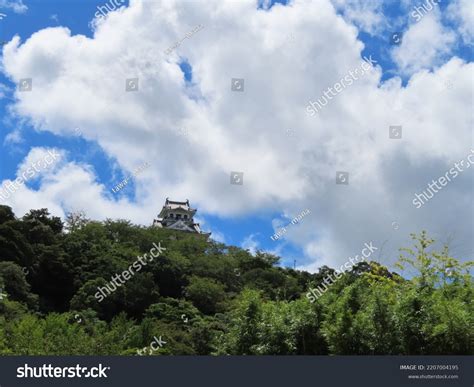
(178,216)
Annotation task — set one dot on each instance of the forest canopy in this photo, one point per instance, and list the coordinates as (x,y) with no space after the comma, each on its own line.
(200,297)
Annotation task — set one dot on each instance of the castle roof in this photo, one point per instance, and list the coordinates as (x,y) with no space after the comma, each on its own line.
(169,217)
(172,204)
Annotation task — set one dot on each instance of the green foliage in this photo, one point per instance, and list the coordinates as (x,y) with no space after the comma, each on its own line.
(205,293)
(13,282)
(243,337)
(204,298)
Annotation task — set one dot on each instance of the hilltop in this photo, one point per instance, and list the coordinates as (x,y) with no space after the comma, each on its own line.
(197,296)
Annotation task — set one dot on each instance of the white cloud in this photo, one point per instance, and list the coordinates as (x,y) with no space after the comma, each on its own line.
(40,162)
(367,15)
(80,82)
(16,6)
(67,186)
(250,243)
(462,12)
(218,237)
(425,45)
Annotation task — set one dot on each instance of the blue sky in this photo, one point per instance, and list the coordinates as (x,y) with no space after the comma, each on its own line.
(18,137)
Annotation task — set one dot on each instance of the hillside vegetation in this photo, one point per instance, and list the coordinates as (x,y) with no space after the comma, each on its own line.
(200,297)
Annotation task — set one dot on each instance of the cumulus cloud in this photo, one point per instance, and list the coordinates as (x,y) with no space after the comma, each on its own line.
(66,186)
(462,13)
(425,45)
(80,82)
(367,15)
(40,162)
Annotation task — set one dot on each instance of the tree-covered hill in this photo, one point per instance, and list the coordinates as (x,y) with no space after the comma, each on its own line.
(199,297)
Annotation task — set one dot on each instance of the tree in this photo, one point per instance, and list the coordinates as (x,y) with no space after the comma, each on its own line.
(206,298)
(246,317)
(205,293)
(75,221)
(6,214)
(14,283)
(42,216)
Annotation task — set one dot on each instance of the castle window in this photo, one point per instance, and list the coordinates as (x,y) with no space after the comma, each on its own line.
(168,219)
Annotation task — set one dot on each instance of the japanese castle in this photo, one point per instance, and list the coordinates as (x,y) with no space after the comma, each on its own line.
(178,216)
